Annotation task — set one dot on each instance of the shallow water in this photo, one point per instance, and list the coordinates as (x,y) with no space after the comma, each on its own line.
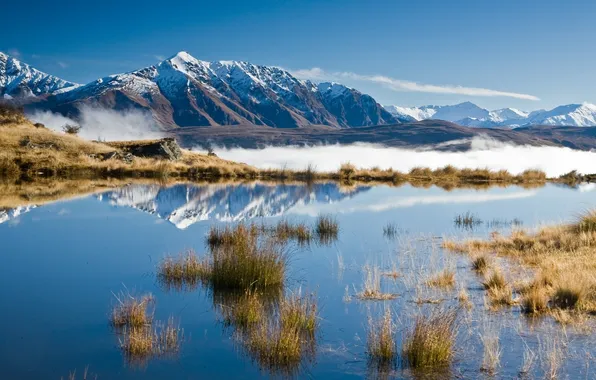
(62,261)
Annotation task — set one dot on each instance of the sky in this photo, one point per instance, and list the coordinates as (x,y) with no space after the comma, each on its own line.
(527,54)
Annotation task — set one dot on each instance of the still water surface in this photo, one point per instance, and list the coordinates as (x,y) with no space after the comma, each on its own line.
(62,261)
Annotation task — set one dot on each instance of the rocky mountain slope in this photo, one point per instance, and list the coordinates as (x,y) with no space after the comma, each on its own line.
(183,91)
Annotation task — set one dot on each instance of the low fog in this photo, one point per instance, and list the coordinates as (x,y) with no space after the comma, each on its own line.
(484,153)
(104,124)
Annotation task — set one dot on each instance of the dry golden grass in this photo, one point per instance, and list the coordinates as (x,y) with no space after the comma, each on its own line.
(240,258)
(534,300)
(280,341)
(42,152)
(245,311)
(481,263)
(443,279)
(131,311)
(562,256)
(430,342)
(381,347)
(326,228)
(184,271)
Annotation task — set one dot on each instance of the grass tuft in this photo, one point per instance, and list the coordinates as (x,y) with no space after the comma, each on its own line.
(132,311)
(430,343)
(381,347)
(326,228)
(186,270)
(534,300)
(443,279)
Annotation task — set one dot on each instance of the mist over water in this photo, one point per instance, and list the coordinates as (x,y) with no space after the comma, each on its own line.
(484,153)
(104,124)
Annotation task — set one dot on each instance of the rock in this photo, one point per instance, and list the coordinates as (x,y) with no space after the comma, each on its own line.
(27,143)
(39,125)
(125,157)
(166,148)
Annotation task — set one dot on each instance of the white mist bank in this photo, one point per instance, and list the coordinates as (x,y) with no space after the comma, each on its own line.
(554,161)
(104,124)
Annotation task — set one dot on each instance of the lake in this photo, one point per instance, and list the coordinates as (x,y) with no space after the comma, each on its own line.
(63,261)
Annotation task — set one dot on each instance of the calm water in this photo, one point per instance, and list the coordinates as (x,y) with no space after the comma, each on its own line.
(62,261)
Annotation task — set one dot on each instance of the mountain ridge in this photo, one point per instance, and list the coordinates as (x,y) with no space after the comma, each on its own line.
(183,91)
(470,115)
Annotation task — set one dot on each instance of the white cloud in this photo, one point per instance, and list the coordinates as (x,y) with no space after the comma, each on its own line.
(62,64)
(403,202)
(318,74)
(493,155)
(104,124)
(159,57)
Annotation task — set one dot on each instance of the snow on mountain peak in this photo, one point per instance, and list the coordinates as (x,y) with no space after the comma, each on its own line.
(18,79)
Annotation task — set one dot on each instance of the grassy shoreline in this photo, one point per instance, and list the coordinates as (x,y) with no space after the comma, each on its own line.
(30,152)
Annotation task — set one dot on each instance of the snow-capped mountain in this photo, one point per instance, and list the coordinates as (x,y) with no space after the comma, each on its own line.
(184,205)
(578,115)
(470,115)
(19,80)
(183,91)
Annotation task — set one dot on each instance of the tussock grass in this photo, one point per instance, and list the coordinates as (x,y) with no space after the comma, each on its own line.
(184,271)
(500,296)
(381,346)
(568,296)
(443,279)
(495,280)
(140,344)
(430,342)
(481,263)
(300,312)
(534,300)
(132,311)
(282,341)
(390,230)
(326,228)
(241,259)
(284,230)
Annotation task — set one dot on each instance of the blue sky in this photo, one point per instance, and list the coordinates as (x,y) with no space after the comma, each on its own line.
(528,49)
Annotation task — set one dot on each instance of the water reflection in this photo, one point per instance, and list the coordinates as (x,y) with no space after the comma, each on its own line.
(186,204)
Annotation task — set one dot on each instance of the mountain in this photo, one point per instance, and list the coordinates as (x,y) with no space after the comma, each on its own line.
(20,81)
(574,115)
(183,91)
(470,115)
(185,205)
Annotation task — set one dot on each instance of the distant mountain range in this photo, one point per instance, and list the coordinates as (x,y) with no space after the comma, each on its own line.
(470,115)
(183,91)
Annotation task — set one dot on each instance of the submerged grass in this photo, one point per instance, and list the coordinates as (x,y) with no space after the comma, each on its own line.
(430,342)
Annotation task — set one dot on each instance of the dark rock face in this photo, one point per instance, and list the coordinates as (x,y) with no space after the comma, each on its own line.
(166,148)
